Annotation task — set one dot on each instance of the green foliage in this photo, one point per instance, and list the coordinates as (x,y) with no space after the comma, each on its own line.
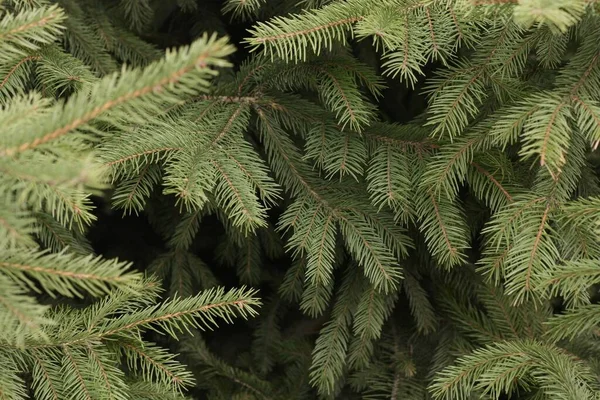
(49,169)
(412,184)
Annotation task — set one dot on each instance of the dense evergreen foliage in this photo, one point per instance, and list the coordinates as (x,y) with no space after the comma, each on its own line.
(299,199)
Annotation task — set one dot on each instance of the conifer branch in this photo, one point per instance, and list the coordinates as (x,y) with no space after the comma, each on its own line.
(68,274)
(228,125)
(75,369)
(103,373)
(380,270)
(548,131)
(143,154)
(304,32)
(586,74)
(156,363)
(29,30)
(465,234)
(16,67)
(498,301)
(159,78)
(445,232)
(45,385)
(283,153)
(494,181)
(535,247)
(234,301)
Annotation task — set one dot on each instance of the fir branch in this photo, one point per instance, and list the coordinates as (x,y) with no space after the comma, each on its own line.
(559,16)
(156,82)
(447,170)
(74,381)
(494,181)
(243,9)
(138,12)
(68,274)
(421,308)
(155,364)
(331,346)
(370,252)
(509,362)
(582,321)
(131,194)
(28,30)
(321,255)
(200,312)
(57,238)
(372,312)
(9,75)
(286,36)
(243,209)
(572,280)
(444,227)
(45,374)
(16,227)
(20,314)
(535,247)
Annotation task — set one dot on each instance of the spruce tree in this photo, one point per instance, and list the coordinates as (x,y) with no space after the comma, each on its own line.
(299,199)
